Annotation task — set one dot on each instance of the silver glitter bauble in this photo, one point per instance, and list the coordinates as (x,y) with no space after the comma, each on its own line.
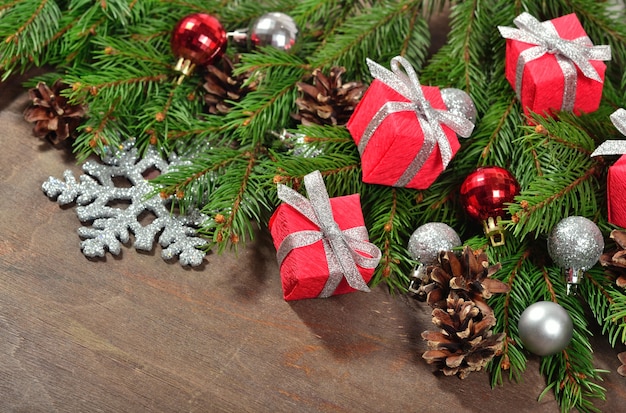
(276,29)
(460,103)
(545,328)
(428,240)
(575,243)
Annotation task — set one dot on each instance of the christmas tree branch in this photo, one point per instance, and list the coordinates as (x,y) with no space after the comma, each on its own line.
(386,22)
(232,205)
(567,179)
(27,28)
(606,303)
(387,222)
(511,359)
(269,107)
(102,135)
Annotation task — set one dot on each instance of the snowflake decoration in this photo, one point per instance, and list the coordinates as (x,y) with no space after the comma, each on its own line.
(111,226)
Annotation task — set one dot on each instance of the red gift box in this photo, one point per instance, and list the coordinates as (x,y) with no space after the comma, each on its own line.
(543,80)
(398,139)
(616,192)
(305,268)
(616,178)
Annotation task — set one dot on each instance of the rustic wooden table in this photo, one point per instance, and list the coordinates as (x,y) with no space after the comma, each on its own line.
(136,334)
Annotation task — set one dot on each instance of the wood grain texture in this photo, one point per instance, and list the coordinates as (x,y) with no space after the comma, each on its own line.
(136,334)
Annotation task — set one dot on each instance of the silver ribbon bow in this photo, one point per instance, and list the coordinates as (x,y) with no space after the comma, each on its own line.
(614,147)
(340,246)
(568,53)
(430,119)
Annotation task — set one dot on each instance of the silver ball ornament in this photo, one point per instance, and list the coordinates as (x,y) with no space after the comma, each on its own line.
(545,328)
(575,243)
(460,103)
(428,240)
(275,29)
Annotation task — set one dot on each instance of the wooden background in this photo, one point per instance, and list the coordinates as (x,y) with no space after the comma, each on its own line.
(136,334)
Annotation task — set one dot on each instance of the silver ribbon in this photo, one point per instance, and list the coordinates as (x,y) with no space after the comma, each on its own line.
(340,247)
(569,54)
(430,119)
(614,147)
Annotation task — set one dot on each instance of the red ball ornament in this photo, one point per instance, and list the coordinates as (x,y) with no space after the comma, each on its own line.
(484,194)
(197,39)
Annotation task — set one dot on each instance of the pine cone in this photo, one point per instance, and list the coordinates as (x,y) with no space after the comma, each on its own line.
(467,276)
(615,261)
(465,342)
(223,87)
(55,119)
(328,101)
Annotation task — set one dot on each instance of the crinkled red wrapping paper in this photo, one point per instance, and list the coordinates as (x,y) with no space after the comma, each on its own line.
(616,192)
(304,271)
(543,80)
(397,140)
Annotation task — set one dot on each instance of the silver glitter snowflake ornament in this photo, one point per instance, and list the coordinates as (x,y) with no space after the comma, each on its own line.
(96,191)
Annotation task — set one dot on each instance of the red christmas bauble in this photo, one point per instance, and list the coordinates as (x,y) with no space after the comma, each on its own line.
(484,194)
(199,38)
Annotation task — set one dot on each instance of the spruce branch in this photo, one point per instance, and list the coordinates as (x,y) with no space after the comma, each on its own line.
(104,132)
(361,35)
(387,221)
(234,203)
(516,271)
(267,108)
(564,180)
(607,304)
(27,28)
(328,14)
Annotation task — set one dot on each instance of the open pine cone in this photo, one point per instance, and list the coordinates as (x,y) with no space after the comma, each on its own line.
(223,87)
(615,261)
(457,289)
(468,276)
(55,118)
(327,101)
(465,342)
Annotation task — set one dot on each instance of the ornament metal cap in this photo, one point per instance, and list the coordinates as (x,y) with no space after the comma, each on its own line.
(494,231)
(419,276)
(185,67)
(573,277)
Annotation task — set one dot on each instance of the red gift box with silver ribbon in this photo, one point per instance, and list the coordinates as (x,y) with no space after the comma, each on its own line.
(404,133)
(553,65)
(616,178)
(321,243)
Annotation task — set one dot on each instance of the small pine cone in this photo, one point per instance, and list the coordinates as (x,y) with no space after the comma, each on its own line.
(223,87)
(615,261)
(465,342)
(327,101)
(468,276)
(55,118)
